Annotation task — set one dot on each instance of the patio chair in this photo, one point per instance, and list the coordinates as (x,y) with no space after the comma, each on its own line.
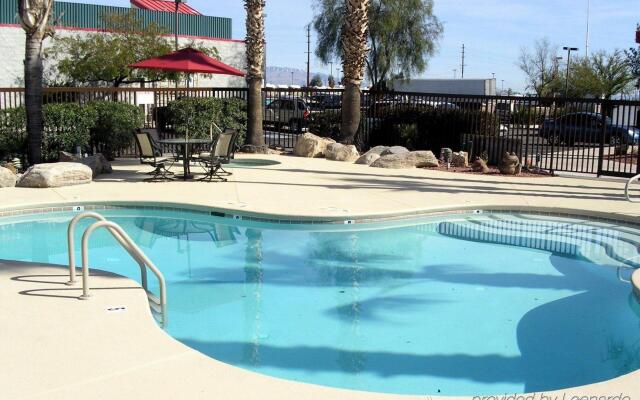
(220,153)
(149,156)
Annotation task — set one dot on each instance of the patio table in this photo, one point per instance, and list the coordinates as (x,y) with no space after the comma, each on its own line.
(185,145)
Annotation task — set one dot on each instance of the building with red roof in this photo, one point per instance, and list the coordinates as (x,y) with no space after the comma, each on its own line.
(74,19)
(165,6)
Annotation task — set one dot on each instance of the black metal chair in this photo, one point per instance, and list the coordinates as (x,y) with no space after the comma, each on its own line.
(150,155)
(220,153)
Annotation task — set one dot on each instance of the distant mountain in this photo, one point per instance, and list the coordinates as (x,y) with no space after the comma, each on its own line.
(282,76)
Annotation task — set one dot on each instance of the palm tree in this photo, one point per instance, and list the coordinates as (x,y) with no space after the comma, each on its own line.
(255,60)
(34,16)
(354,55)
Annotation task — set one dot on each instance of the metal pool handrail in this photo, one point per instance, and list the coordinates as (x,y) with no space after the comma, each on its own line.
(71,243)
(158,305)
(626,189)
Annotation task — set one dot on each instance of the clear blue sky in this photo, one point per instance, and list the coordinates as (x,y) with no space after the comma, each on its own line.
(493,31)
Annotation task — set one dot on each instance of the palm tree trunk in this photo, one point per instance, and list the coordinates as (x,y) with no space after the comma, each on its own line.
(354,54)
(34,17)
(255,61)
(33,98)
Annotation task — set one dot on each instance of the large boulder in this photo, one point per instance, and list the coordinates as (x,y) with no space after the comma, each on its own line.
(510,164)
(341,152)
(367,158)
(460,160)
(311,146)
(394,150)
(414,159)
(7,178)
(56,175)
(98,163)
(377,150)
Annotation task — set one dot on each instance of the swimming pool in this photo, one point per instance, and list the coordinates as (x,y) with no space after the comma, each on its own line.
(460,305)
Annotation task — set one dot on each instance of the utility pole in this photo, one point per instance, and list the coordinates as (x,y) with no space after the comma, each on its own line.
(586,44)
(331,64)
(292,78)
(566,83)
(308,55)
(177,21)
(462,65)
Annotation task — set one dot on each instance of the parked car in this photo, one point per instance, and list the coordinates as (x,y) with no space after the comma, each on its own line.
(586,127)
(322,102)
(293,113)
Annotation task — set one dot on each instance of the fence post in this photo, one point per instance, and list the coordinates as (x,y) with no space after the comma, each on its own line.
(604,108)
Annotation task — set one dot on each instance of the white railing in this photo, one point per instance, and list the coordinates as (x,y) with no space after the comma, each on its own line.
(158,305)
(627,189)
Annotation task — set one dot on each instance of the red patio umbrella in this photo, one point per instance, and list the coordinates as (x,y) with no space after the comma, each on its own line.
(188,60)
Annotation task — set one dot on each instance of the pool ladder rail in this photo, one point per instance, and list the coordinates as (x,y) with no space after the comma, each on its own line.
(628,188)
(158,304)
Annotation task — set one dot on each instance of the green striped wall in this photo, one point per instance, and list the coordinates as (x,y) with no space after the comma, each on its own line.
(88,16)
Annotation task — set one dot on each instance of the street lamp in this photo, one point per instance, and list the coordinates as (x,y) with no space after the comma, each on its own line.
(502,88)
(176,15)
(566,84)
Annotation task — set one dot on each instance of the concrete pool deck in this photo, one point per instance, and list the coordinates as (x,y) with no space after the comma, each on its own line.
(57,347)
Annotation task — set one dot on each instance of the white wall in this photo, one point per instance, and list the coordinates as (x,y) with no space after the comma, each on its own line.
(12,43)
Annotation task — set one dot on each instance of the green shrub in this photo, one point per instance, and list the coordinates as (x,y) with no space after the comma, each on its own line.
(196,116)
(13,136)
(113,127)
(423,128)
(66,126)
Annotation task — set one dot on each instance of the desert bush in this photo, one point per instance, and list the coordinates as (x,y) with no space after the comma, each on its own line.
(421,128)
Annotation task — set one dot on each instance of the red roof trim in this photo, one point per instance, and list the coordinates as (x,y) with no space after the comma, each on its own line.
(164,6)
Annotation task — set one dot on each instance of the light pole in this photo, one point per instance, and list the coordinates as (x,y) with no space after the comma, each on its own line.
(331,64)
(502,87)
(455,73)
(176,22)
(291,78)
(566,83)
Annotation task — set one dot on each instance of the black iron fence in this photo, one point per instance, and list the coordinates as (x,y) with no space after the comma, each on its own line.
(590,136)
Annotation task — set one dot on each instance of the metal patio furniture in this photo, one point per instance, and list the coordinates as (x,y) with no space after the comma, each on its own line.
(149,155)
(221,152)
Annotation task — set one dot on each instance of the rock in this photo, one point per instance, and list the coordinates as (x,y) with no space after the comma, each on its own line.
(341,152)
(460,159)
(446,154)
(480,165)
(251,149)
(7,178)
(394,150)
(64,156)
(367,158)
(510,164)
(419,159)
(311,146)
(10,167)
(377,150)
(56,175)
(98,163)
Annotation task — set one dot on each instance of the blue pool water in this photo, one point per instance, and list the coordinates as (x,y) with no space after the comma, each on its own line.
(465,305)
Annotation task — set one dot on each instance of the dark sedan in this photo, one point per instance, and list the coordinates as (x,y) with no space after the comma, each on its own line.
(586,127)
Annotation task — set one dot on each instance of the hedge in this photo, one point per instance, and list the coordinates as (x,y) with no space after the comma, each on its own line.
(106,125)
(114,125)
(196,116)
